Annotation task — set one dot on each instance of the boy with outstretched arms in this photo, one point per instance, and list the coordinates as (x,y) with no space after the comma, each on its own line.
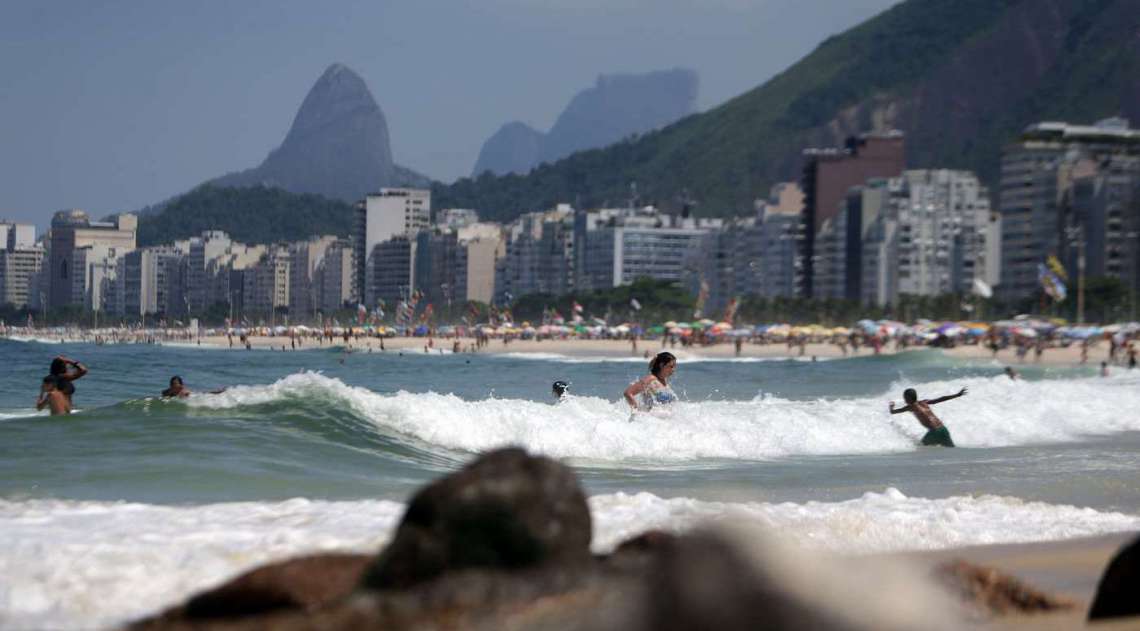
(937,434)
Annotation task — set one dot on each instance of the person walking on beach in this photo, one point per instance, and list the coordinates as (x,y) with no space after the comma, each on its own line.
(653,389)
(937,433)
(53,398)
(61,371)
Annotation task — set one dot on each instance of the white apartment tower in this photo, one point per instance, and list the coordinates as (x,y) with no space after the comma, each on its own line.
(393,212)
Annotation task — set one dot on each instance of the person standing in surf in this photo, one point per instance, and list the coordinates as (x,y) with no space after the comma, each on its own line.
(653,389)
(61,371)
(937,434)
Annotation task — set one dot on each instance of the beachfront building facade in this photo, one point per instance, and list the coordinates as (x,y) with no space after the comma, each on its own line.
(332,277)
(150,281)
(380,217)
(265,284)
(483,246)
(827,176)
(617,246)
(1038,213)
(538,255)
(925,233)
(305,258)
(440,268)
(76,243)
(1100,219)
(20,261)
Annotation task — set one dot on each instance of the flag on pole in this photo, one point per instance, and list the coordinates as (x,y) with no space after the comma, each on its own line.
(1055,266)
(1052,285)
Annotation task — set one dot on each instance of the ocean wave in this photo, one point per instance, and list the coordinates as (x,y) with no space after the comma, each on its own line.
(996,413)
(79,564)
(35,340)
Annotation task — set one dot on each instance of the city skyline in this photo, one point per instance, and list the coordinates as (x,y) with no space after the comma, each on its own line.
(111,110)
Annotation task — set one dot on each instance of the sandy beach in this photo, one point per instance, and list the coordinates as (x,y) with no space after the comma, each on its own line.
(1067,356)
(1070,568)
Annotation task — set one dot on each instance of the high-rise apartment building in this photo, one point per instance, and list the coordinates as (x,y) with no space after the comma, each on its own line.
(926,233)
(265,284)
(484,245)
(828,174)
(20,262)
(333,276)
(380,217)
(617,246)
(304,259)
(73,232)
(441,268)
(539,255)
(1038,174)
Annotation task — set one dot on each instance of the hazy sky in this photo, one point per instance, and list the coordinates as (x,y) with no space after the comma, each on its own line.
(109,106)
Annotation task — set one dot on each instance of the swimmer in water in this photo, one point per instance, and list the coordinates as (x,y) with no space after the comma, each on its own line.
(937,434)
(53,398)
(61,370)
(653,389)
(560,388)
(176,389)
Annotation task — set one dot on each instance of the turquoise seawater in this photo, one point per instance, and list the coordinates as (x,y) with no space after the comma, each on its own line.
(318,449)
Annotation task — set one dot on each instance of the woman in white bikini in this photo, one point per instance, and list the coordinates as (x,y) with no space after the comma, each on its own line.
(653,389)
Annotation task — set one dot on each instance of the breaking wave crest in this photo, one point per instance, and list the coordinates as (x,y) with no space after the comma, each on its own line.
(996,413)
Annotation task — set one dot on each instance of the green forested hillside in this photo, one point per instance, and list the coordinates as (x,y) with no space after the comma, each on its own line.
(960,77)
(252,215)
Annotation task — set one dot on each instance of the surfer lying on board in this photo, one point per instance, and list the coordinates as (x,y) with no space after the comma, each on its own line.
(53,398)
(938,434)
(653,389)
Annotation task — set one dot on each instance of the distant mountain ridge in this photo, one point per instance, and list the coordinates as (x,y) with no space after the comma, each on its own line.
(960,77)
(615,107)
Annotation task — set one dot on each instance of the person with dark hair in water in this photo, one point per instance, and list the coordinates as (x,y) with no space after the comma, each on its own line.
(176,390)
(560,388)
(53,398)
(61,371)
(653,389)
(937,434)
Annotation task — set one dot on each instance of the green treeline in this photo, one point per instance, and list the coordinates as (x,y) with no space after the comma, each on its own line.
(257,214)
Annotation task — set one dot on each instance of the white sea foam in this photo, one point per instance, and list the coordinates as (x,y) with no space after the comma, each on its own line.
(38,340)
(97,564)
(996,413)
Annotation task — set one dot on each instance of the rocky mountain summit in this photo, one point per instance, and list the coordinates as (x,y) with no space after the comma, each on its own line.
(337,147)
(615,107)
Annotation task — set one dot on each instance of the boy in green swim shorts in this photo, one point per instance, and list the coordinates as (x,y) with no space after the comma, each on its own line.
(937,434)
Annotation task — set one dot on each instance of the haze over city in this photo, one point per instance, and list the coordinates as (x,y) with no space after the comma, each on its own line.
(113,107)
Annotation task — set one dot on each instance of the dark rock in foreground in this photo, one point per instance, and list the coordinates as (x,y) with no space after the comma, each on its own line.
(305,583)
(1118,593)
(504,544)
(507,510)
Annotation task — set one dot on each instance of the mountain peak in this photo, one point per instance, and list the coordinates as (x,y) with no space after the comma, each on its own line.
(338,145)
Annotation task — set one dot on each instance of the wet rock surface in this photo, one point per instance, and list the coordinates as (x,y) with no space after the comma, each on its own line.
(1118,593)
